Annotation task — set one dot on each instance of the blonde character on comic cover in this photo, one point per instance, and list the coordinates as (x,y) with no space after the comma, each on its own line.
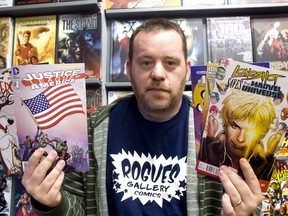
(243,115)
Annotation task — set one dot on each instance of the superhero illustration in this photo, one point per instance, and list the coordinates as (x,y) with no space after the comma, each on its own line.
(270,38)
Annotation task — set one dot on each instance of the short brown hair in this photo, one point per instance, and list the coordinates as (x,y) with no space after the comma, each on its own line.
(157,24)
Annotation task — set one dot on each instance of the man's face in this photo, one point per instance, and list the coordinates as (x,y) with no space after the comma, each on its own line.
(158,72)
(26,38)
(241,135)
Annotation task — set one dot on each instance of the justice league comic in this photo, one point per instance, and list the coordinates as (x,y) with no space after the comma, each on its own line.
(51,112)
(246,119)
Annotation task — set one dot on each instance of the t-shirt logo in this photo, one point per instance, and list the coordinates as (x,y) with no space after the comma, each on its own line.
(149,178)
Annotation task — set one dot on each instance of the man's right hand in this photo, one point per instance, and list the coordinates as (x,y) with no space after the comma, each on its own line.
(43,187)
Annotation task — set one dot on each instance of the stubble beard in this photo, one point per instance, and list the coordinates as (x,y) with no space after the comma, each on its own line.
(166,102)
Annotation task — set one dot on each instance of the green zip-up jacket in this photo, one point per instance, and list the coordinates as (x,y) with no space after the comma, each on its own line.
(85,193)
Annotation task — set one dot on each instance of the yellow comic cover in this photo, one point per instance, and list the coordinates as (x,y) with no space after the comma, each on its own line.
(34,40)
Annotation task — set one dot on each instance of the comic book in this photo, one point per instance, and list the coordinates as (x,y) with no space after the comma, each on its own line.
(34,40)
(79,40)
(198,80)
(116,4)
(51,112)
(94,98)
(187,3)
(26,2)
(10,160)
(113,95)
(5,194)
(275,199)
(20,200)
(229,37)
(6,3)
(244,120)
(270,40)
(6,41)
(282,153)
(122,30)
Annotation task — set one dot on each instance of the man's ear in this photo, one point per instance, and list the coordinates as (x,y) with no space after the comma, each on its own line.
(188,70)
(128,69)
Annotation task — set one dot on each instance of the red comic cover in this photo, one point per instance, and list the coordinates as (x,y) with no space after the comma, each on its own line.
(34,40)
(246,120)
(9,151)
(51,112)
(270,41)
(79,41)
(229,37)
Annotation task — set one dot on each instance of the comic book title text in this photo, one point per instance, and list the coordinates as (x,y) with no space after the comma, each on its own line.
(50,78)
(36,21)
(5,87)
(82,23)
(261,88)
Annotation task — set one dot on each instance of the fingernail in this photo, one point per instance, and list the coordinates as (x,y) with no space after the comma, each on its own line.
(53,153)
(61,163)
(40,150)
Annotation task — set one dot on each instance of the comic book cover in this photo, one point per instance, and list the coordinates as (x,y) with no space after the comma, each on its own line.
(237,2)
(122,30)
(94,98)
(275,199)
(244,120)
(5,194)
(282,153)
(79,40)
(113,95)
(229,37)
(187,3)
(21,204)
(51,112)
(34,40)
(116,4)
(270,41)
(198,85)
(10,160)
(6,41)
(26,2)
(6,3)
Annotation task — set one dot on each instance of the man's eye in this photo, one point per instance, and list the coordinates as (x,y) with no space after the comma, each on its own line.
(146,63)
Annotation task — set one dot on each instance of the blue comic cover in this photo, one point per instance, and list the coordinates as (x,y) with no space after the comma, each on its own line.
(51,112)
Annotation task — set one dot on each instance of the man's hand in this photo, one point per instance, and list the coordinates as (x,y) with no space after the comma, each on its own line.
(43,187)
(242,196)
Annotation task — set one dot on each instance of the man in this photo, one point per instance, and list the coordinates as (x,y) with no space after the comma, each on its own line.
(26,50)
(143,160)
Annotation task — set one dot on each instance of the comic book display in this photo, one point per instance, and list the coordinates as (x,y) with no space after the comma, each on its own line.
(34,40)
(6,41)
(270,39)
(51,112)
(114,4)
(244,119)
(79,40)
(10,160)
(275,199)
(122,31)
(229,37)
(94,98)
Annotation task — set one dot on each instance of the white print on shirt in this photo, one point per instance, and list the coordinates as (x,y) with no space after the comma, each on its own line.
(149,178)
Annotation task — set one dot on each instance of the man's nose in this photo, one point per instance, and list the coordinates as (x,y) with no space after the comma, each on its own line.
(158,72)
